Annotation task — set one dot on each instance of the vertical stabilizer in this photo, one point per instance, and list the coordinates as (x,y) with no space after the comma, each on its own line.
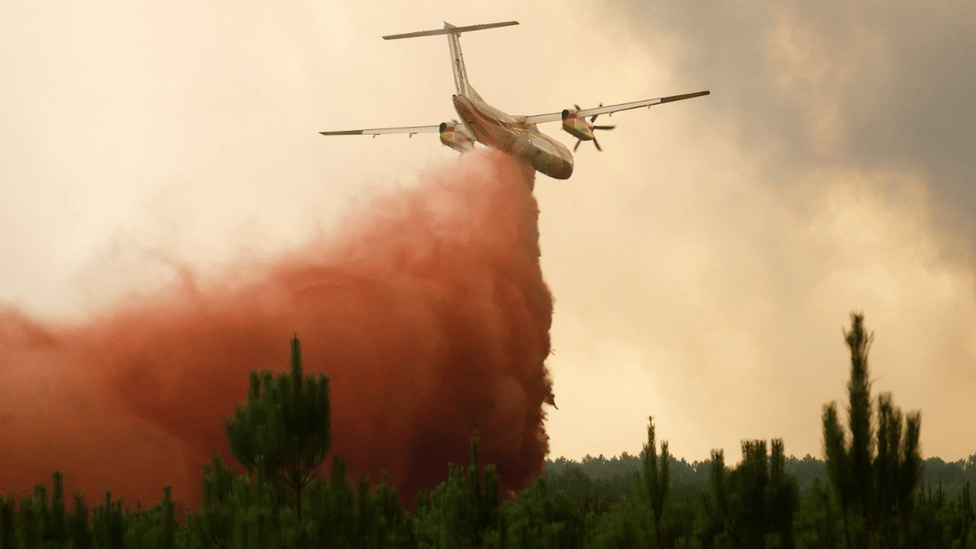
(461,83)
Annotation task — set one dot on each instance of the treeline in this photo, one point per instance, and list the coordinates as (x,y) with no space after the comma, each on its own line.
(238,511)
(618,477)
(869,491)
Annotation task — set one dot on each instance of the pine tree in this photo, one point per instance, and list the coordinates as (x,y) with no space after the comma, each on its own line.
(8,515)
(462,510)
(874,473)
(656,480)
(281,434)
(752,505)
(81,535)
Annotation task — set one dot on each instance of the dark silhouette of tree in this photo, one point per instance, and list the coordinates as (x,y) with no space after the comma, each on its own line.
(213,522)
(281,434)
(806,471)
(461,510)
(873,473)
(753,505)
(656,481)
(108,523)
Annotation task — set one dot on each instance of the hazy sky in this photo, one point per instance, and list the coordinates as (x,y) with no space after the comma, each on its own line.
(703,265)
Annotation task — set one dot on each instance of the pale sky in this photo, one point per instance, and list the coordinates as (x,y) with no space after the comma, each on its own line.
(703,265)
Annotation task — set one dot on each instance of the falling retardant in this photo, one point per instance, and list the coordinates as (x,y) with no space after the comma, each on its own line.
(427,309)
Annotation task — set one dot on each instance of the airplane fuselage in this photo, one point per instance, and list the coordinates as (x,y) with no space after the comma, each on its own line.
(499,130)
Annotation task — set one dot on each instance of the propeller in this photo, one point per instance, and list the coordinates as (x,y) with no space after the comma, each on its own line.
(592,119)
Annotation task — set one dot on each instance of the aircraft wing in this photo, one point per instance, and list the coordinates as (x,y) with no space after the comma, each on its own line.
(410,130)
(610,109)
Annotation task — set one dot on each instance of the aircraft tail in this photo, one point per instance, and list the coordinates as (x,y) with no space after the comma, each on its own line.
(457,60)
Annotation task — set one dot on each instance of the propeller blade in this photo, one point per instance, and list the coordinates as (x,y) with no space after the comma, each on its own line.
(597,144)
(576,146)
(595,115)
(604,127)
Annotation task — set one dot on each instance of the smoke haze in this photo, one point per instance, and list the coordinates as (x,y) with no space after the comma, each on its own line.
(427,309)
(705,262)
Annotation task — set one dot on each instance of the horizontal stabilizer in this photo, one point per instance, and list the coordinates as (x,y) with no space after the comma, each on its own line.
(410,130)
(450,29)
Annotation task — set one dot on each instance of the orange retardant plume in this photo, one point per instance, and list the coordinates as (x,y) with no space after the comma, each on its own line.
(428,311)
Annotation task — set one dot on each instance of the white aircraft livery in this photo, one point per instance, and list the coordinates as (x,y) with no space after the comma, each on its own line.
(515,135)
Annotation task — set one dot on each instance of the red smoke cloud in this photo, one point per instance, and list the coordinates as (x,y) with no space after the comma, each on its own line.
(428,311)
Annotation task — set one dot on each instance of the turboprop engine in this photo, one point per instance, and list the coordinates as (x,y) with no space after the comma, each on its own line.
(455,136)
(576,126)
(581,128)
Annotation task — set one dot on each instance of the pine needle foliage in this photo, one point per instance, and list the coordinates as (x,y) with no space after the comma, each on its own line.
(874,471)
(282,433)
(754,504)
(656,479)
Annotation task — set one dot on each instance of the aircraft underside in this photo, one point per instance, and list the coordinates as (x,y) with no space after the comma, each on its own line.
(501,131)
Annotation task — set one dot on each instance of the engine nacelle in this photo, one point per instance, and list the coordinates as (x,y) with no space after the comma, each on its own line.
(577,126)
(456,137)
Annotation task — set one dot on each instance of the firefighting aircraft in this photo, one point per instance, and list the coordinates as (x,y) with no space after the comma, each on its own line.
(516,135)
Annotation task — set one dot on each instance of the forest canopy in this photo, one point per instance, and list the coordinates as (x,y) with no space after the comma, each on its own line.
(871,489)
